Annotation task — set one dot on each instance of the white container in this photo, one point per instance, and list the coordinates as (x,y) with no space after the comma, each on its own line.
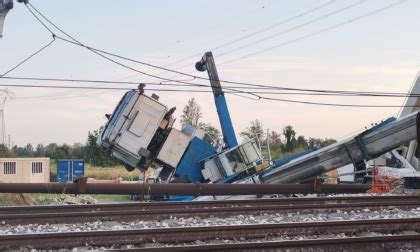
(24,170)
(173,148)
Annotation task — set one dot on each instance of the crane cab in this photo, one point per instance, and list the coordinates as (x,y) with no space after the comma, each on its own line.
(233,163)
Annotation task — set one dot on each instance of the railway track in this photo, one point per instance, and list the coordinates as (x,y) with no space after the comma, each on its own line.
(165,210)
(231,232)
(195,204)
(373,243)
(203,204)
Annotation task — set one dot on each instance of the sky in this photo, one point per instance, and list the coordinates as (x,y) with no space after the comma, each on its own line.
(379,52)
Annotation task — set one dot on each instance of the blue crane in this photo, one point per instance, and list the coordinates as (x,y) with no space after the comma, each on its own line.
(207,63)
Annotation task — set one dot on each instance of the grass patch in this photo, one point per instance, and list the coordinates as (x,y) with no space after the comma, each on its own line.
(3,200)
(16,199)
(111,173)
(101,173)
(19,199)
(47,198)
(105,198)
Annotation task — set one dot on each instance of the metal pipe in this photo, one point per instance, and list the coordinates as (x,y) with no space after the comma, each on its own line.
(178,188)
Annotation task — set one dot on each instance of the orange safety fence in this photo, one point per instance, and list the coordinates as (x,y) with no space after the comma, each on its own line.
(382,182)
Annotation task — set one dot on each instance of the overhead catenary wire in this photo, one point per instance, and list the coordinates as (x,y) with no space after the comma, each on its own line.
(207,91)
(329,28)
(304,36)
(408,91)
(287,20)
(252,34)
(296,27)
(98,52)
(101,53)
(28,58)
(301,91)
(195,76)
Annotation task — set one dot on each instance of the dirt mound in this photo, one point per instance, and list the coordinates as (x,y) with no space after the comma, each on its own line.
(16,199)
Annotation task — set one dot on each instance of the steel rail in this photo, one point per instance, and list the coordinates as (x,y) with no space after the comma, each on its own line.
(196,189)
(371,243)
(202,212)
(203,204)
(190,234)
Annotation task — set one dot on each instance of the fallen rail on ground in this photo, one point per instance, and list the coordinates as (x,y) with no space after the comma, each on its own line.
(179,188)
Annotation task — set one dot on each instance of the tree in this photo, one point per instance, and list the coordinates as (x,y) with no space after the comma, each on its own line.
(301,142)
(63,152)
(327,141)
(320,143)
(50,149)
(39,151)
(255,130)
(212,132)
(276,145)
(29,150)
(291,144)
(191,113)
(93,153)
(289,133)
(77,151)
(5,152)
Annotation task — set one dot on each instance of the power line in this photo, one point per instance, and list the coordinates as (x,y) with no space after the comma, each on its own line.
(98,52)
(37,18)
(409,90)
(77,42)
(209,91)
(337,104)
(287,20)
(301,91)
(29,57)
(198,77)
(323,17)
(316,32)
(270,27)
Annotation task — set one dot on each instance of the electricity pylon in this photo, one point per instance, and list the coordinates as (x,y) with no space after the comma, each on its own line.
(5,6)
(4,96)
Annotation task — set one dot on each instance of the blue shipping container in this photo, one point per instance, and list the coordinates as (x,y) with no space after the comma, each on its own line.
(70,169)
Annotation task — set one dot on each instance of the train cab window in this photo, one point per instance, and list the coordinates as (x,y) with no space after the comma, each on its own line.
(36,167)
(236,160)
(9,168)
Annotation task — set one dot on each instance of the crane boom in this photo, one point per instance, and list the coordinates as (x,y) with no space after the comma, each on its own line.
(207,63)
(365,146)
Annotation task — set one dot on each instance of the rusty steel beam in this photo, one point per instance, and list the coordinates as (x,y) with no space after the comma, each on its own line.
(178,188)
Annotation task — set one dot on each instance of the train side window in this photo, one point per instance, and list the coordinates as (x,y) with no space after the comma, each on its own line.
(36,167)
(9,168)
